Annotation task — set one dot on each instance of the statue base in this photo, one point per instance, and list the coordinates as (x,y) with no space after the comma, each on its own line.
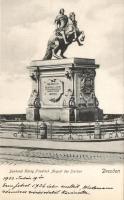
(90,114)
(65,90)
(32,114)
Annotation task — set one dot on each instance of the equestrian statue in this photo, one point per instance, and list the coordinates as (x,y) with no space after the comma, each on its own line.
(65,33)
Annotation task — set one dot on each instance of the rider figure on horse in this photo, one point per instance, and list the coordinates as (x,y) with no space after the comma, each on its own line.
(65,33)
(61,22)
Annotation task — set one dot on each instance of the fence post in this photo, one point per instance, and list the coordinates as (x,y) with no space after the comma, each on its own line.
(51,122)
(43,130)
(97,130)
(116,129)
(70,131)
(21,129)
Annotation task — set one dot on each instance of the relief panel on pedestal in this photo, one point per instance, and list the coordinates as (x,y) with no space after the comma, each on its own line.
(87,91)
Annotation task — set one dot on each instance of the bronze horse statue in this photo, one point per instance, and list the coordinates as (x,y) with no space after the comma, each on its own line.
(56,42)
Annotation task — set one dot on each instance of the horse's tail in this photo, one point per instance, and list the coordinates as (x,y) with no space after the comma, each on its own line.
(48,54)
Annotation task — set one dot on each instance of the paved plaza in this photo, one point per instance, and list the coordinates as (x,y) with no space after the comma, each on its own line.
(16,151)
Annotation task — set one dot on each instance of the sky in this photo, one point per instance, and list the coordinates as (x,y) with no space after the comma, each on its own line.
(26,27)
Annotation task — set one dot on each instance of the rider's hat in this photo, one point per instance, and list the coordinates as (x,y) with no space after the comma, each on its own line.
(61,10)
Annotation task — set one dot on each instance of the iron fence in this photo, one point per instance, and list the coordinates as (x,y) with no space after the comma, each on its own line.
(70,132)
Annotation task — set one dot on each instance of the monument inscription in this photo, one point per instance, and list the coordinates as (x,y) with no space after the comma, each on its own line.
(53,90)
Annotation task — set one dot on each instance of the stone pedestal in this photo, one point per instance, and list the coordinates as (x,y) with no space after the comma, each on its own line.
(63,90)
(32,114)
